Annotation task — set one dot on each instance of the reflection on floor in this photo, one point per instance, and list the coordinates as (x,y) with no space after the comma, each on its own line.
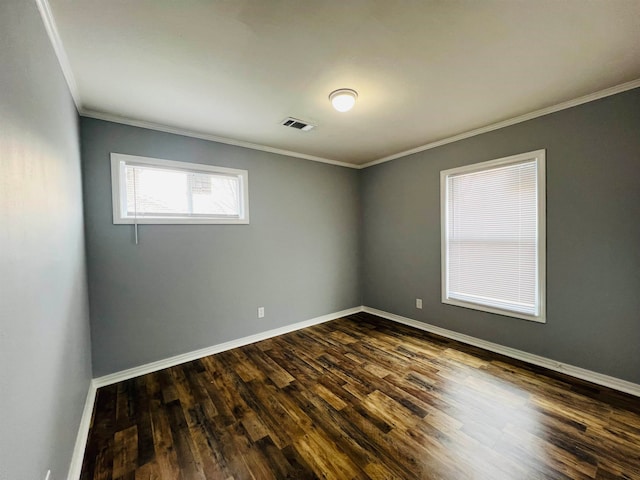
(356,398)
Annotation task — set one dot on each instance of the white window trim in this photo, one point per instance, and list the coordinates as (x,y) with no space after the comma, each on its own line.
(118,194)
(539,156)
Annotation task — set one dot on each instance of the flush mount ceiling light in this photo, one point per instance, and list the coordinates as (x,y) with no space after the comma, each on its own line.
(343,99)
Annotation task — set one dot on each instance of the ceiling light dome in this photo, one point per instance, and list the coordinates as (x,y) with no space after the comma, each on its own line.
(343,99)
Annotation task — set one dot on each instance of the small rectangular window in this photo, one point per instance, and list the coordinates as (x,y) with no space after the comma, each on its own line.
(493,236)
(149,190)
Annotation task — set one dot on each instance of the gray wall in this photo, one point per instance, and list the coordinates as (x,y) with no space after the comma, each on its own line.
(44,328)
(593,236)
(186,287)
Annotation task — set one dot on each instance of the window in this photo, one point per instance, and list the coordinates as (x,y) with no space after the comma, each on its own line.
(493,236)
(149,190)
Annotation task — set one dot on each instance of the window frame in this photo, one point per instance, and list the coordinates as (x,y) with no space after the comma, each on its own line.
(119,192)
(540,157)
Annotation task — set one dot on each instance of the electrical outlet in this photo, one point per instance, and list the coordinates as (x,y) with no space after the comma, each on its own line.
(419,303)
(48,477)
(260,312)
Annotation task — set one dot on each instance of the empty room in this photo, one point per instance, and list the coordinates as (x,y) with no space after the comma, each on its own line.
(359,239)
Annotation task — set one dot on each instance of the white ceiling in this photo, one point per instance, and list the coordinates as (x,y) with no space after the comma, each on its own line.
(424,70)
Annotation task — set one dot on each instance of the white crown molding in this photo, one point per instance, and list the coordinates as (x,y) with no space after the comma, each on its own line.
(478,131)
(50,25)
(573,371)
(205,136)
(75,467)
(221,347)
(512,121)
(52,30)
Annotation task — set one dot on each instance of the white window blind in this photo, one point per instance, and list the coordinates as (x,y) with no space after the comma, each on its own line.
(147,190)
(493,248)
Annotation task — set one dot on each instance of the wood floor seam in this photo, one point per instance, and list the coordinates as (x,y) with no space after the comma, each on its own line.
(360,397)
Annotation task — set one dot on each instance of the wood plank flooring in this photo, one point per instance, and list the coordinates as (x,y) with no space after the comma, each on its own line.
(359,398)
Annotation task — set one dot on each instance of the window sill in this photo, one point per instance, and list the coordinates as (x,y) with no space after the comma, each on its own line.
(497,311)
(181,221)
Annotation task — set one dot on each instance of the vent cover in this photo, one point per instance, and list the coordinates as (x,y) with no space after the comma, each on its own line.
(297,124)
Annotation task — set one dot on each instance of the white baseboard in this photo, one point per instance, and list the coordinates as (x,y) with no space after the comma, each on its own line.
(221,347)
(578,372)
(582,373)
(83,431)
(75,468)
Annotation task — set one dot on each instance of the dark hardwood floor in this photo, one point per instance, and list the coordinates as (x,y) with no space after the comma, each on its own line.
(359,398)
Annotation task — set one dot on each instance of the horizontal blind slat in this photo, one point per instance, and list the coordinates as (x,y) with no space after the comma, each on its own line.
(492,229)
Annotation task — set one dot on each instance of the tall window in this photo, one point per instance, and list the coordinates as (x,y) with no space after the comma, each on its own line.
(493,236)
(149,190)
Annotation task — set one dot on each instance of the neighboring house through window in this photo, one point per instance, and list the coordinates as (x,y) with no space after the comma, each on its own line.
(149,190)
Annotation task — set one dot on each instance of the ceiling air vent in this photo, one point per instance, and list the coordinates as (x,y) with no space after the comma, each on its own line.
(297,124)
